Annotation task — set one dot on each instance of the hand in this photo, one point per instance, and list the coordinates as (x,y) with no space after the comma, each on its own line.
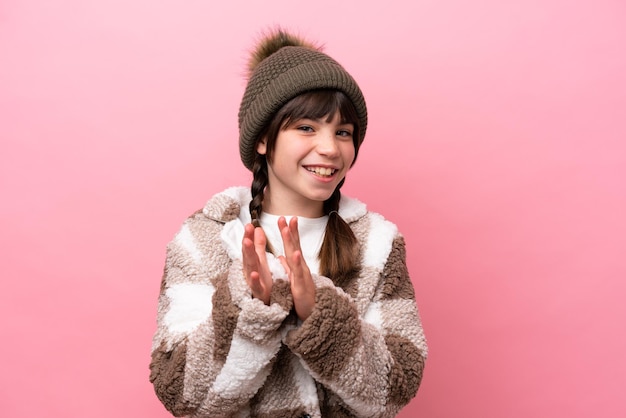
(255,269)
(302,286)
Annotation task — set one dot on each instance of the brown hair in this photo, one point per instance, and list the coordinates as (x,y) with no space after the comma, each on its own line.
(339,252)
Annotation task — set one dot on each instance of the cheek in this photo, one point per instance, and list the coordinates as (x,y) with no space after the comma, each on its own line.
(348,153)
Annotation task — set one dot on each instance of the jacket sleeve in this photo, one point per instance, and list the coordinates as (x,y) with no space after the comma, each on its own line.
(372,362)
(208,323)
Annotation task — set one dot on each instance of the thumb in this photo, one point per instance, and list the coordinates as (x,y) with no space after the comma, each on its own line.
(283,262)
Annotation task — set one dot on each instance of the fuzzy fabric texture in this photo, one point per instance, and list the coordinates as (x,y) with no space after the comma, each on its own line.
(218,352)
(281,67)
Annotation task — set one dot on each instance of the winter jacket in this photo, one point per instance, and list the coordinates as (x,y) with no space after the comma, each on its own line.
(218,352)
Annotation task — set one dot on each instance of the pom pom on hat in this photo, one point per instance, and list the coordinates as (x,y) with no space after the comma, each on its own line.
(281,67)
(272,42)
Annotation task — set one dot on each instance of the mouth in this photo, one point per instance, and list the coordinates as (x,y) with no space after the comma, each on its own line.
(322,171)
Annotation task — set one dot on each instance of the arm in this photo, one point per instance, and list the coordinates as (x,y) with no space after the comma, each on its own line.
(372,362)
(208,323)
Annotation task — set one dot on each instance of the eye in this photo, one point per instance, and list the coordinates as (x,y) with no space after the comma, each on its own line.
(305,128)
(344,133)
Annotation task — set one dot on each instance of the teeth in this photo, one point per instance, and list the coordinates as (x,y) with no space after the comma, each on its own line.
(321,171)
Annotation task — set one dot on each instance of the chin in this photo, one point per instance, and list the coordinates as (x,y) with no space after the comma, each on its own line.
(322,194)
(322,197)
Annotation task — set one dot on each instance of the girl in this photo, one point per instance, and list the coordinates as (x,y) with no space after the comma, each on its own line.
(288,299)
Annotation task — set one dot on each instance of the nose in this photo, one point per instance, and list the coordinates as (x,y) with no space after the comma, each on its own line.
(327,144)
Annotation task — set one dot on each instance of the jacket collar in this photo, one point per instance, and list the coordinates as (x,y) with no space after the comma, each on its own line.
(229,204)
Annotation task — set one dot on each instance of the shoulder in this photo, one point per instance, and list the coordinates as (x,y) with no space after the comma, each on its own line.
(227,204)
(376,234)
(200,235)
(357,215)
(351,209)
(220,209)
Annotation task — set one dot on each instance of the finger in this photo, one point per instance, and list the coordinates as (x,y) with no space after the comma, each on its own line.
(296,265)
(293,229)
(284,233)
(282,222)
(289,243)
(247,249)
(300,281)
(250,258)
(247,242)
(260,241)
(248,231)
(256,285)
(248,239)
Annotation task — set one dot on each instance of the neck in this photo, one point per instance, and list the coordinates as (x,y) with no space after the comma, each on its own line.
(279,205)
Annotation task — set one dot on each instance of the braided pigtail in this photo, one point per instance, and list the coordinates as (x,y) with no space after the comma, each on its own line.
(340,249)
(257,189)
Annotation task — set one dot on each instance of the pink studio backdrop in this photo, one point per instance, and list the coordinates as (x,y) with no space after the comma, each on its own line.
(496,143)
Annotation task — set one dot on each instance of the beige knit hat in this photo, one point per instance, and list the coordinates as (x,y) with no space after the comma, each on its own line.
(282,67)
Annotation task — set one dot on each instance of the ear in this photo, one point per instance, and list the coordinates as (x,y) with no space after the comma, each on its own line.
(261,146)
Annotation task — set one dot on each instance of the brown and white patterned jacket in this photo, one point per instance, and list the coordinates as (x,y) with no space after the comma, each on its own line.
(218,352)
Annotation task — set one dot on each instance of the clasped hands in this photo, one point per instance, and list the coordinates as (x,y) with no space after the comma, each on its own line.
(257,272)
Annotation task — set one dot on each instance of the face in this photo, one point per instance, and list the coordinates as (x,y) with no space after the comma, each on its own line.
(310,158)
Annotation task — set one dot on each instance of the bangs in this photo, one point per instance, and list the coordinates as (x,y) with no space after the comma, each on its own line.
(317,104)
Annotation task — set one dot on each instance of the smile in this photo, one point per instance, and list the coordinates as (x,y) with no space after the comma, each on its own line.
(322,171)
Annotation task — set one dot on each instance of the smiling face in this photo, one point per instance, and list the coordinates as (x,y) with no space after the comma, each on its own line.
(309,160)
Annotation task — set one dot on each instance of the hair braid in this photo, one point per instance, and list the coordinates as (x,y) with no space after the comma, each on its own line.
(340,248)
(257,189)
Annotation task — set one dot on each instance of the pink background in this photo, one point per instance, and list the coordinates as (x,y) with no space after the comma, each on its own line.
(496,143)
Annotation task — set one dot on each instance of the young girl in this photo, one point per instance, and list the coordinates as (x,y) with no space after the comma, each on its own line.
(288,299)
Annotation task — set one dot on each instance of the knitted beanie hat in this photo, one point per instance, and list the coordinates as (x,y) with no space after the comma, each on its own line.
(280,68)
